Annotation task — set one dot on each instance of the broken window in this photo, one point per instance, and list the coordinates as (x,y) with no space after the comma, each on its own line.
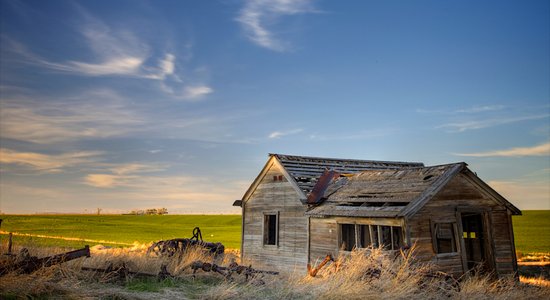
(385,237)
(396,235)
(444,237)
(347,234)
(363,236)
(374,230)
(271,224)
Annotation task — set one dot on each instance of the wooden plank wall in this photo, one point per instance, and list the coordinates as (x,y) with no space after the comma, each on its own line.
(323,239)
(275,196)
(460,193)
(505,258)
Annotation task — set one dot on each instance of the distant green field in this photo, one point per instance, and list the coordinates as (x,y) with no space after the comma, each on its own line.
(121,228)
(532,231)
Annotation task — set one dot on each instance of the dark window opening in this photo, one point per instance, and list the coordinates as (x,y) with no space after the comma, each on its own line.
(278,177)
(375,239)
(396,237)
(363,236)
(270,229)
(385,237)
(347,241)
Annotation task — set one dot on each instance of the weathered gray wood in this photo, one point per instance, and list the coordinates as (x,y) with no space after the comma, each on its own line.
(275,196)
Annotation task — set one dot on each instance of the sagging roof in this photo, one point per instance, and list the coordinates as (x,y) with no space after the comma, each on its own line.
(306,170)
(390,193)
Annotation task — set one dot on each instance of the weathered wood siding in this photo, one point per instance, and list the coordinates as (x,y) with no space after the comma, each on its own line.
(459,194)
(505,254)
(275,196)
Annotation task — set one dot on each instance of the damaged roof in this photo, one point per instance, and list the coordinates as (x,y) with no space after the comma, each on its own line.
(306,170)
(389,193)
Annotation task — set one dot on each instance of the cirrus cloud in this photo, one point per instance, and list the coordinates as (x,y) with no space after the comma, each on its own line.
(256,16)
(539,150)
(49,163)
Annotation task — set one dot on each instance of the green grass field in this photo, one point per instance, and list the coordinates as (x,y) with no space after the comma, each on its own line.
(121,228)
(532,230)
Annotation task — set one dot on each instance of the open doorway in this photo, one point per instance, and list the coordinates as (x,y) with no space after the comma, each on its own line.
(474,237)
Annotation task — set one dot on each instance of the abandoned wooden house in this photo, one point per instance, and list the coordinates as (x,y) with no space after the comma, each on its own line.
(299,209)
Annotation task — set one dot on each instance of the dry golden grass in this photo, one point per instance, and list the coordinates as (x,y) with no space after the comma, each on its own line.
(537,281)
(365,274)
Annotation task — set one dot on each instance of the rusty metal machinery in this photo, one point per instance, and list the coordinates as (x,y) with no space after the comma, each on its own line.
(178,246)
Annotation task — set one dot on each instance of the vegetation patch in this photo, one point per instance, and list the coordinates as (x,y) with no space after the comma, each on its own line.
(150,284)
(363,274)
(78,230)
(532,233)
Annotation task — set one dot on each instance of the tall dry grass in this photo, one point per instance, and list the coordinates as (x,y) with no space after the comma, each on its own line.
(363,274)
(376,274)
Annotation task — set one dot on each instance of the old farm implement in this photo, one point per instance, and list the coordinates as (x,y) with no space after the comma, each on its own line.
(25,263)
(179,246)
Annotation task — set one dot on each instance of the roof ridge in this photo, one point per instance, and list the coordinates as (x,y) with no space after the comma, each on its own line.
(279,155)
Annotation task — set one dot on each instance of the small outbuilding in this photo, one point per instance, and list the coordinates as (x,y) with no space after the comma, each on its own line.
(299,209)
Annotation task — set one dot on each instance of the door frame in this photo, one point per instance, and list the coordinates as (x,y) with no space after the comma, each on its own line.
(488,245)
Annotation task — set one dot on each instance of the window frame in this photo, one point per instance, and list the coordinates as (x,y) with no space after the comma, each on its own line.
(375,236)
(435,225)
(265,228)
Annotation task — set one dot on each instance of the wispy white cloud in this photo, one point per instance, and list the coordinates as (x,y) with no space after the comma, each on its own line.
(92,114)
(279,134)
(101,114)
(540,150)
(485,116)
(121,174)
(470,110)
(257,16)
(462,126)
(134,168)
(49,163)
(114,66)
(194,92)
(166,68)
(479,109)
(116,52)
(180,194)
(193,191)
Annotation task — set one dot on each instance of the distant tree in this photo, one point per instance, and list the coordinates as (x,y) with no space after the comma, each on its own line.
(99,211)
(162,211)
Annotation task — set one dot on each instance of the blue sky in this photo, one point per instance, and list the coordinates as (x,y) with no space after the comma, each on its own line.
(125,105)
